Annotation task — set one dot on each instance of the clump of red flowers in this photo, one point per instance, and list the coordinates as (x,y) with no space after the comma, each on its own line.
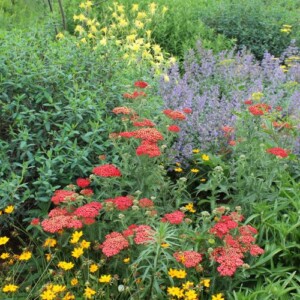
(148,148)
(279,152)
(63,196)
(121,202)
(141,84)
(174,114)
(189,259)
(259,109)
(114,243)
(175,217)
(174,128)
(83,182)
(107,170)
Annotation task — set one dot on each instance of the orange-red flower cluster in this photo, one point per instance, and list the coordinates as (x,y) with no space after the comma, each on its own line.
(107,170)
(175,217)
(63,196)
(174,114)
(189,259)
(121,202)
(278,152)
(114,243)
(259,109)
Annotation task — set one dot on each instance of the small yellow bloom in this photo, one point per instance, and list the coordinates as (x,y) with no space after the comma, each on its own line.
(9,209)
(74,281)
(123,23)
(89,293)
(152,8)
(76,237)
(196,151)
(93,268)
(91,36)
(178,170)
(165,245)
(187,285)
(103,42)
(10,288)
(257,96)
(105,279)
(79,29)
(68,296)
(156,49)
(190,295)
(85,244)
(166,78)
(77,252)
(195,170)
(58,288)
(181,274)
(205,157)
(83,41)
(48,295)
(205,282)
(217,297)
(190,207)
(65,265)
(120,8)
(48,256)
(5,255)
(141,15)
(126,260)
(60,36)
(202,179)
(25,255)
(135,7)
(139,24)
(175,291)
(50,243)
(164,9)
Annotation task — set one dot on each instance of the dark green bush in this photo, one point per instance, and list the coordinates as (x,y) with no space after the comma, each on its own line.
(55,101)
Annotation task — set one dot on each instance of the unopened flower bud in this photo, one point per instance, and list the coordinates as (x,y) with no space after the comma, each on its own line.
(121,216)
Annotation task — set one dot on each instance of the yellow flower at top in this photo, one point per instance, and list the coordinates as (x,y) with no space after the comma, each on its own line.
(26,255)
(60,36)
(195,170)
(205,282)
(190,207)
(196,151)
(65,265)
(76,237)
(4,240)
(93,268)
(77,252)
(205,157)
(257,96)
(178,170)
(86,5)
(9,209)
(49,242)
(10,288)
(141,15)
(217,297)
(181,274)
(4,255)
(89,293)
(105,279)
(152,8)
(175,291)
(135,7)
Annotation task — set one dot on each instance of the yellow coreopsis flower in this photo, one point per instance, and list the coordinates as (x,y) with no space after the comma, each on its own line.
(25,255)
(89,293)
(205,157)
(103,42)
(178,170)
(105,279)
(50,243)
(196,151)
(74,281)
(77,252)
(58,288)
(190,295)
(190,207)
(81,17)
(152,8)
(123,23)
(68,296)
(175,291)
(156,49)
(48,256)
(165,245)
(141,15)
(48,295)
(10,288)
(166,78)
(205,282)
(195,170)
(60,36)
(76,237)
(83,40)
(135,7)
(65,265)
(257,96)
(126,260)
(93,268)
(139,24)
(85,244)
(4,255)
(4,240)
(79,29)
(9,209)
(187,285)
(217,297)
(120,8)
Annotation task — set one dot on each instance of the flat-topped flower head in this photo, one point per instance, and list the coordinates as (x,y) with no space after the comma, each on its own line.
(107,170)
(279,152)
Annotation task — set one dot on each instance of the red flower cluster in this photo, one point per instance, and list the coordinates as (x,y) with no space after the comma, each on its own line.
(141,84)
(144,123)
(259,109)
(121,203)
(151,135)
(87,192)
(278,152)
(174,128)
(236,243)
(174,114)
(122,110)
(90,210)
(147,148)
(57,223)
(189,259)
(114,243)
(281,125)
(145,202)
(107,170)
(63,196)
(175,217)
(187,110)
(248,102)
(83,182)
(143,234)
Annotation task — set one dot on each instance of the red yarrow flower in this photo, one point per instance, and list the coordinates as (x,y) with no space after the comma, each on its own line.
(144,123)
(83,182)
(145,202)
(143,234)
(122,110)
(90,210)
(279,152)
(175,217)
(107,170)
(174,114)
(248,102)
(151,135)
(259,109)
(149,149)
(87,192)
(121,203)
(58,223)
(189,259)
(174,128)
(63,196)
(141,84)
(187,110)
(114,243)
(35,222)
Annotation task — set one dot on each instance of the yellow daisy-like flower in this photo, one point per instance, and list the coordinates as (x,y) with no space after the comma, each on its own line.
(85,244)
(187,285)
(10,288)
(89,293)
(181,274)
(175,291)
(5,255)
(190,207)
(205,157)
(74,281)
(65,265)
(190,295)
(217,297)
(105,279)
(68,296)
(76,237)
(48,256)
(178,170)
(9,209)
(205,282)
(50,243)
(79,29)
(93,268)
(26,255)
(141,15)
(196,151)
(257,96)
(195,170)
(77,252)
(126,260)
(48,295)
(58,288)
(135,7)
(165,245)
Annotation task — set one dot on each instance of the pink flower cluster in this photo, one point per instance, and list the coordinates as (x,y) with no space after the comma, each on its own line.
(90,210)
(63,196)
(107,170)
(121,202)
(189,259)
(175,217)
(143,234)
(114,243)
